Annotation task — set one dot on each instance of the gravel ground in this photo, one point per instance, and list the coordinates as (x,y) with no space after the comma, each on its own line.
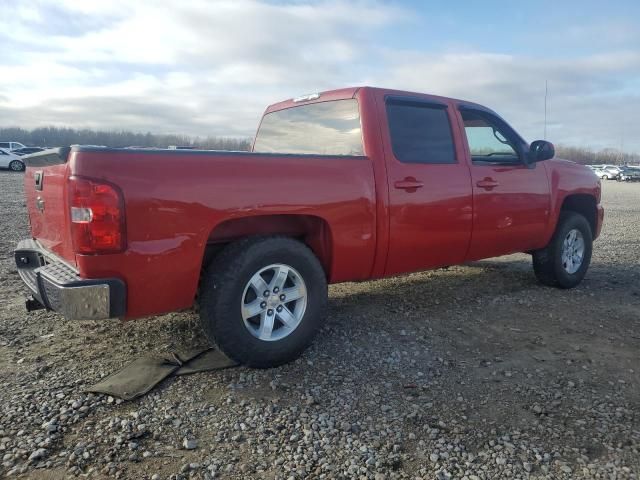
(472,372)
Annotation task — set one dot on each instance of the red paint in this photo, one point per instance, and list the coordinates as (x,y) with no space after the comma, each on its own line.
(365,217)
(53,233)
(430,226)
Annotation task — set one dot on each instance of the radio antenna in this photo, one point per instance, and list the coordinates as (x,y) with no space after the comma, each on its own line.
(546,94)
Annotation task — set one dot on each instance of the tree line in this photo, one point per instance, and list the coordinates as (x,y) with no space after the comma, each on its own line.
(60,137)
(607,156)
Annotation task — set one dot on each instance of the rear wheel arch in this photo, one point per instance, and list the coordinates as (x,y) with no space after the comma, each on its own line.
(313,231)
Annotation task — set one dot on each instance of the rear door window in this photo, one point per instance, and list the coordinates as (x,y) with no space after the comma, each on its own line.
(420,132)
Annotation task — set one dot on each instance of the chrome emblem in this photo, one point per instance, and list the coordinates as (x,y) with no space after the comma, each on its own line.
(40,204)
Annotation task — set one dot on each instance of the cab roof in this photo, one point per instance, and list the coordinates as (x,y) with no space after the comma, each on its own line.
(351,92)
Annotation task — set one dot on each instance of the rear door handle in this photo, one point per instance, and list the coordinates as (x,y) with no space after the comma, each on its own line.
(487,183)
(409,184)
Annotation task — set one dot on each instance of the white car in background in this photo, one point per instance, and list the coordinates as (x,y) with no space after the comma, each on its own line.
(10,146)
(607,172)
(11,161)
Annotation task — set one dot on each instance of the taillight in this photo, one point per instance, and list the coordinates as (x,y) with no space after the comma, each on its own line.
(97,216)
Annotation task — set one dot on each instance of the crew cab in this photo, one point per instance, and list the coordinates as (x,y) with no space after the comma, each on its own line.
(346,185)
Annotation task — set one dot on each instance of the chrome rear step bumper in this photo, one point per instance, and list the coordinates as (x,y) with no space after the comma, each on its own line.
(58,287)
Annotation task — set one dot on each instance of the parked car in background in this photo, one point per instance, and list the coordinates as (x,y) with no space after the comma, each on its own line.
(607,172)
(10,146)
(11,161)
(27,150)
(629,174)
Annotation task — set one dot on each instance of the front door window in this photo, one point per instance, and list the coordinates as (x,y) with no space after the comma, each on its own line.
(488,142)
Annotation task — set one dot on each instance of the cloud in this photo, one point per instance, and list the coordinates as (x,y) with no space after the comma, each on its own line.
(590,100)
(154,62)
(210,68)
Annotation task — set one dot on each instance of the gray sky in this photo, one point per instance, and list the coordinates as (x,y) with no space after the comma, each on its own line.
(210,67)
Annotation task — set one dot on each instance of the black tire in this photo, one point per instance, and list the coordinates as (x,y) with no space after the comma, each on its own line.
(16,166)
(547,262)
(223,286)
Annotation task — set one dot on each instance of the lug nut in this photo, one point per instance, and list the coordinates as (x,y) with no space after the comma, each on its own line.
(263,304)
(279,309)
(269,312)
(276,289)
(265,293)
(282,297)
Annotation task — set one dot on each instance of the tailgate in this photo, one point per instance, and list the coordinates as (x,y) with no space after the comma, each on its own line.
(45,189)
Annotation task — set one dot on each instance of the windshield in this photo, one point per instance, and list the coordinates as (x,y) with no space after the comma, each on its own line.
(326,128)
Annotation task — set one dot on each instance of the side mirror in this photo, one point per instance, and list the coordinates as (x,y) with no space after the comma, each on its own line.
(541,150)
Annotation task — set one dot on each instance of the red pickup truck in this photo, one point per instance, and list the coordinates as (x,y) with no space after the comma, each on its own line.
(346,185)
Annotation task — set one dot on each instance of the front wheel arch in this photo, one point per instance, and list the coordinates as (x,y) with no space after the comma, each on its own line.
(582,204)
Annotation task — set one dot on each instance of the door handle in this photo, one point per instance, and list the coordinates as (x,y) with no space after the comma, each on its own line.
(409,184)
(488,183)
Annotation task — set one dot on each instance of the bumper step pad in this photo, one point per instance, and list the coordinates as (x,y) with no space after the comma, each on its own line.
(58,287)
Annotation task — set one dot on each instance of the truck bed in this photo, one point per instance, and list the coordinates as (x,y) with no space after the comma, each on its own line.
(180,201)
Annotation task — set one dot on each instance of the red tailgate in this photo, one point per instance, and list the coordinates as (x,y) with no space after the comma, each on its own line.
(45,188)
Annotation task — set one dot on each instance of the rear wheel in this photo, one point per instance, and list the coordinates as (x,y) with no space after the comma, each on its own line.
(262,300)
(564,261)
(16,166)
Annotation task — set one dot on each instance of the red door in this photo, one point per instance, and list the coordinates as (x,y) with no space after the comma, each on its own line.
(429,185)
(510,198)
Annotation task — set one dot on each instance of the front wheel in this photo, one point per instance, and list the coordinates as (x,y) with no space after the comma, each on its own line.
(16,166)
(564,261)
(262,300)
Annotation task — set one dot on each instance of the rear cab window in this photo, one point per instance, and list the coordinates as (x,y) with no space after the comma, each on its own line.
(324,128)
